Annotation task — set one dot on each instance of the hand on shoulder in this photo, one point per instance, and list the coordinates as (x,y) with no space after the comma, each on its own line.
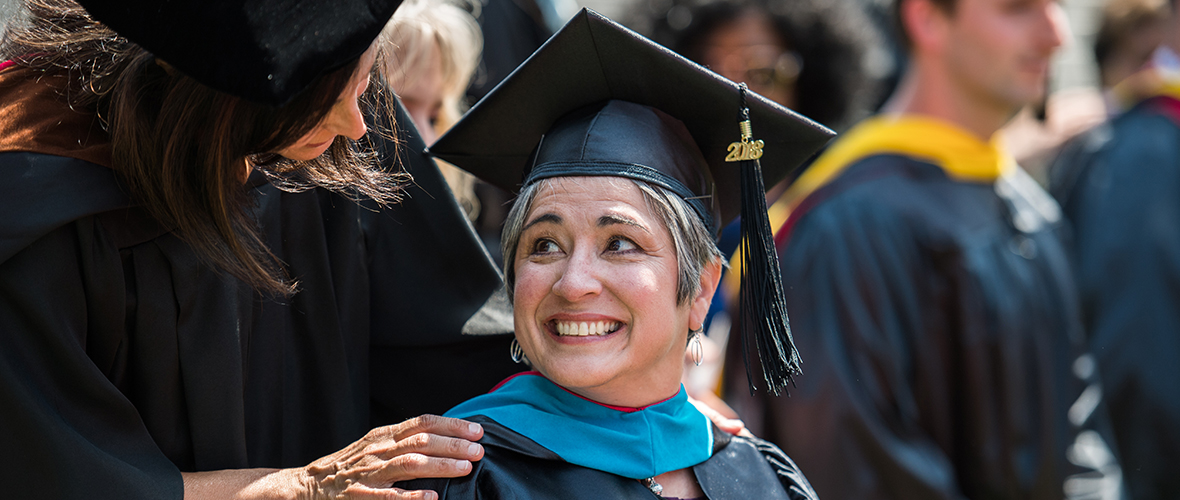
(428,446)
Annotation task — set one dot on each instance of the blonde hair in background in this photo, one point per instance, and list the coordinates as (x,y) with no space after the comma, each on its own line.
(416,31)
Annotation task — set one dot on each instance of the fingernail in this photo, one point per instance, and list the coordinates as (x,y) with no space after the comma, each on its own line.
(474,428)
(473,449)
(463,466)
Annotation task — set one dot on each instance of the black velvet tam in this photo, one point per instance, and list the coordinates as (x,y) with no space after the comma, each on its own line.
(551,117)
(266,51)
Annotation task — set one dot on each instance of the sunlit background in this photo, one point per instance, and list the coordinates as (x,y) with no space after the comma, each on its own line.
(1074,65)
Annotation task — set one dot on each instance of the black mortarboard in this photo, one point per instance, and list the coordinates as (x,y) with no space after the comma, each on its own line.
(265,51)
(599,99)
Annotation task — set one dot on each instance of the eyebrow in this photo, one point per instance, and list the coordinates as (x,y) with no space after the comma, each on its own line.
(554,218)
(608,220)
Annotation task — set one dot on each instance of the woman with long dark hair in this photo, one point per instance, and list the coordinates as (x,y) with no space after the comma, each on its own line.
(188,285)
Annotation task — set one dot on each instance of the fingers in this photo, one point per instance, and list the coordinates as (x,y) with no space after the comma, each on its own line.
(712,403)
(360,491)
(729,425)
(424,447)
(430,445)
(418,456)
(417,466)
(375,477)
(434,424)
(401,494)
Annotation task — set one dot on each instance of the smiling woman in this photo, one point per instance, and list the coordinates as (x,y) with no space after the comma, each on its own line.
(611,264)
(595,270)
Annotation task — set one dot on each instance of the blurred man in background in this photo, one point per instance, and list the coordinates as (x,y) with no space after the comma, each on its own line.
(929,289)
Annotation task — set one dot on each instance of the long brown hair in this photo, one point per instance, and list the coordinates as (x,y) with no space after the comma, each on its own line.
(183,148)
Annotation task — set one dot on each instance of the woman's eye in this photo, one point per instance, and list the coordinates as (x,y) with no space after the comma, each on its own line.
(545,246)
(621,245)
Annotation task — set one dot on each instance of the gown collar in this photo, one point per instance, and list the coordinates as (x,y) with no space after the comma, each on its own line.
(959,153)
(631,442)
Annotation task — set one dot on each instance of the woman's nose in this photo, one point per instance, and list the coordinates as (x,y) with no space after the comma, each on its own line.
(579,279)
(350,121)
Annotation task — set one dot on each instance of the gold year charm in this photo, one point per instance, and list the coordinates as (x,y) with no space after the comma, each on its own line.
(746,149)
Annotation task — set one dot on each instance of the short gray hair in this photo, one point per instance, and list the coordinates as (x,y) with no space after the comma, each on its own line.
(694,244)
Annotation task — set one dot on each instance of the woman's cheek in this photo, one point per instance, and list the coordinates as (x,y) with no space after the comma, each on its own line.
(530,284)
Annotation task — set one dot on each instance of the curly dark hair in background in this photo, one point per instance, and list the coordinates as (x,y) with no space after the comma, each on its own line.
(838,83)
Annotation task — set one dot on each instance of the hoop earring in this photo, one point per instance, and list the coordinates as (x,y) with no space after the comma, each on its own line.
(516,352)
(694,345)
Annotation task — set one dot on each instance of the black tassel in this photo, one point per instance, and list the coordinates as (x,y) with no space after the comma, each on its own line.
(762,303)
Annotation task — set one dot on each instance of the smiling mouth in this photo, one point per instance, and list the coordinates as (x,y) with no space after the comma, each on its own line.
(586,329)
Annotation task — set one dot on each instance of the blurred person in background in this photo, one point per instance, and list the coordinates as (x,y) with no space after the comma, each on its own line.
(818,57)
(929,289)
(1119,187)
(1131,32)
(809,55)
(436,47)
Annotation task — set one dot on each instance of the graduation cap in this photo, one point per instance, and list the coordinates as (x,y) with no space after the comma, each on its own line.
(599,99)
(265,51)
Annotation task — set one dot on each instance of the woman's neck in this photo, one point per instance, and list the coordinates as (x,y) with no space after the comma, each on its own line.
(628,401)
(628,394)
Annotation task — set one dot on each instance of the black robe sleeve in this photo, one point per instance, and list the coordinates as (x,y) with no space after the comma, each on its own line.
(68,431)
(1120,187)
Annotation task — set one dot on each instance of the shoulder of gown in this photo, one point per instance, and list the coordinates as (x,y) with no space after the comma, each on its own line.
(76,435)
(517,467)
(40,193)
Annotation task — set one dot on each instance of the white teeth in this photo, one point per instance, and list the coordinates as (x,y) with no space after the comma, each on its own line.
(584,329)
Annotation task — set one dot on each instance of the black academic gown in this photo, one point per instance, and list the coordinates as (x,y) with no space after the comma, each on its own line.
(125,359)
(939,329)
(516,467)
(1119,185)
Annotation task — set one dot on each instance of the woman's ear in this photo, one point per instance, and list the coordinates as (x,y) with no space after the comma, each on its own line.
(710,276)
